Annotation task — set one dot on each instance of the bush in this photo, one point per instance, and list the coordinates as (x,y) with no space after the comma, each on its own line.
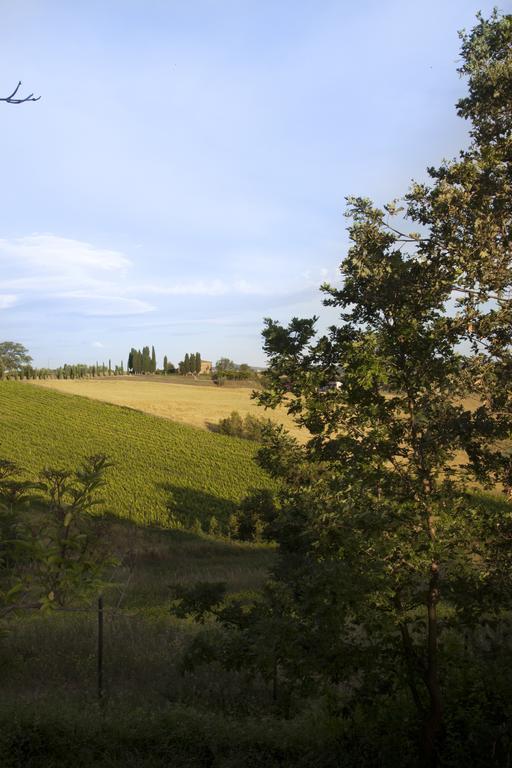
(249,428)
(254,514)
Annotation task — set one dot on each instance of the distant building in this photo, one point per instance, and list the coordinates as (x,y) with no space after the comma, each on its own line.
(206,366)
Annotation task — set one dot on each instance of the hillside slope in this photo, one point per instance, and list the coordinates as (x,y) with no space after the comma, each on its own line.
(197,404)
(154,459)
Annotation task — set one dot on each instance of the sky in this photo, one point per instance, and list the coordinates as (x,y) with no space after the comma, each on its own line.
(184,173)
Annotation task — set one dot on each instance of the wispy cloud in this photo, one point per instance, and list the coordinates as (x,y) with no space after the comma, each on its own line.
(79,278)
(76,276)
(7,300)
(213,287)
(55,253)
(93,304)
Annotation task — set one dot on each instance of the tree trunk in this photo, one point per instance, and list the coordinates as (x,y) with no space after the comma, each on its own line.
(433,724)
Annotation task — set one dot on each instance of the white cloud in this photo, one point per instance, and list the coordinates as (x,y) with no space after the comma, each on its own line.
(215,287)
(75,276)
(190,288)
(98,344)
(7,300)
(110,306)
(55,253)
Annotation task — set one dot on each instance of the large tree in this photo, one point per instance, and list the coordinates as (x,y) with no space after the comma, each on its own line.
(13,356)
(224,365)
(390,564)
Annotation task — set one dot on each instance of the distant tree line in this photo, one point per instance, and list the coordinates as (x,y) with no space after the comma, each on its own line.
(191,363)
(16,363)
(168,367)
(226,369)
(82,371)
(142,361)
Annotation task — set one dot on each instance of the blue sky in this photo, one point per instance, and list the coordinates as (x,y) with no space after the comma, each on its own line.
(184,173)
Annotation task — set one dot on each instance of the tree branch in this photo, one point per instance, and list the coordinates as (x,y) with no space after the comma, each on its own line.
(12,100)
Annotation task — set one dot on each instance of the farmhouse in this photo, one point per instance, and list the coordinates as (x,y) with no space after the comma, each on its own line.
(206,366)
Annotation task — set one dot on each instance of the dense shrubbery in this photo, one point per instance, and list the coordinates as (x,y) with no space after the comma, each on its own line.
(391,594)
(180,737)
(249,427)
(226,370)
(253,518)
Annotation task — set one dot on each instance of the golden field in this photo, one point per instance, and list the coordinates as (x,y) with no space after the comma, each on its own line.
(194,404)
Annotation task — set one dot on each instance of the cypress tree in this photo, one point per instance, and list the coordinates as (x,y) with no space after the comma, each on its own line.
(146,361)
(186,364)
(153,360)
(165,363)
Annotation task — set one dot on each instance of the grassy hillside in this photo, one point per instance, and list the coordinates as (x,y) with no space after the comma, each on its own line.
(154,459)
(143,644)
(195,403)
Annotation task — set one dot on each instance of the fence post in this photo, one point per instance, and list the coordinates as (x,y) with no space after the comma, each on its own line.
(100,648)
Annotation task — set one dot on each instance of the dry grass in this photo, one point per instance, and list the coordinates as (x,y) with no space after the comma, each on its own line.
(185,403)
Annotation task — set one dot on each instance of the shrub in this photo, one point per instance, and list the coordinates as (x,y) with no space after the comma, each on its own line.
(255,513)
(249,428)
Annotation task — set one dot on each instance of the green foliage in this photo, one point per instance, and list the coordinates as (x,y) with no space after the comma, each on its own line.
(13,356)
(142,361)
(190,364)
(255,515)
(199,600)
(152,457)
(67,560)
(227,370)
(224,365)
(388,568)
(213,526)
(123,736)
(232,425)
(49,555)
(196,526)
(249,428)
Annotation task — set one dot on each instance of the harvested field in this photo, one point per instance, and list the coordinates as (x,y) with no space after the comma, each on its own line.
(196,404)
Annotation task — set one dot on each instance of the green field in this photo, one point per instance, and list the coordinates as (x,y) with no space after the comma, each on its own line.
(207,474)
(154,459)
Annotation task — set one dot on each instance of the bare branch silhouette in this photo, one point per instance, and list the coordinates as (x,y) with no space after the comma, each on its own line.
(12,100)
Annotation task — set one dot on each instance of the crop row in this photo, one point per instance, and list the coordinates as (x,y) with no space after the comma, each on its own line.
(154,459)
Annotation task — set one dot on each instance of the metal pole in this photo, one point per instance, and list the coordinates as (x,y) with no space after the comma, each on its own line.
(100,648)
